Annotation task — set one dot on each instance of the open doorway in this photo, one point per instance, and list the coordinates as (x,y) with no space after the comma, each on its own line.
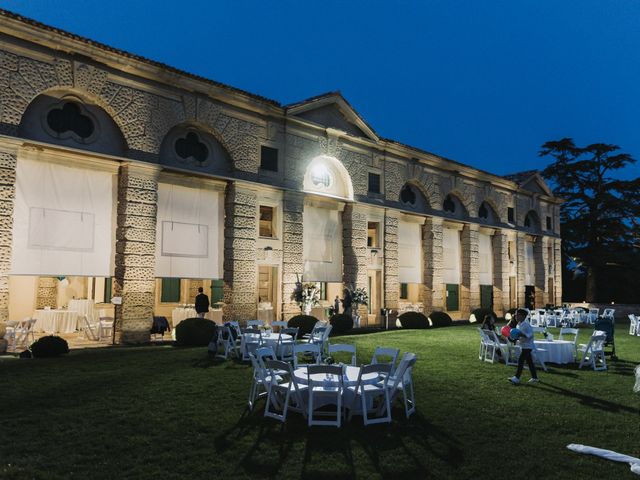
(267,293)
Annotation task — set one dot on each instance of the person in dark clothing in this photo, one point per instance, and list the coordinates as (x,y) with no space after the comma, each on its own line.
(336,305)
(202,303)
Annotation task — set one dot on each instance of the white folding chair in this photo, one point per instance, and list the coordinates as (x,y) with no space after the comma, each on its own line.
(260,381)
(90,329)
(572,334)
(367,391)
(284,346)
(344,347)
(402,382)
(593,315)
(22,331)
(281,387)
(325,383)
(250,340)
(225,340)
(386,355)
(279,324)
(263,354)
(254,323)
(487,346)
(609,313)
(593,352)
(306,349)
(105,328)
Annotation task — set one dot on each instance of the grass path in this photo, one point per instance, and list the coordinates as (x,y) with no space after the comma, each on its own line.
(162,412)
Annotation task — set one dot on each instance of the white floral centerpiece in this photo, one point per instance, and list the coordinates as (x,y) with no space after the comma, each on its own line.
(307,296)
(359,296)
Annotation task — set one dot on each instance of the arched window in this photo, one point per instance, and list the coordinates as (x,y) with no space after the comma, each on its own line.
(192,146)
(325,175)
(483,212)
(449,204)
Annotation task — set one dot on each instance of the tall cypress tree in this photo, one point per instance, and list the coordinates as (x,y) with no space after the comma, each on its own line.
(600,218)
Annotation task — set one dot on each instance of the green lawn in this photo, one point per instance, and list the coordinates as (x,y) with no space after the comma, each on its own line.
(162,412)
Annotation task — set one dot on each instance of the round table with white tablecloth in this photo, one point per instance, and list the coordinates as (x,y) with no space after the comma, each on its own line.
(556,351)
(269,339)
(55,321)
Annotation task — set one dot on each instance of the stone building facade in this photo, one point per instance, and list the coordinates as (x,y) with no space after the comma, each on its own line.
(71,101)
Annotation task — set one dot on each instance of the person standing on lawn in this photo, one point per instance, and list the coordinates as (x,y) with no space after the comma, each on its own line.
(202,303)
(525,340)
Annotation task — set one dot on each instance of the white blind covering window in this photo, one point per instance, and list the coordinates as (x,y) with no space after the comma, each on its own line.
(451,256)
(529,265)
(322,245)
(409,252)
(485,255)
(189,232)
(63,221)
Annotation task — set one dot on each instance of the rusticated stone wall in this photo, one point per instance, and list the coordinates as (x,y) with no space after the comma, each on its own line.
(540,261)
(135,259)
(390,272)
(7,196)
(240,271)
(354,248)
(47,293)
(520,268)
(470,288)
(557,270)
(500,244)
(292,261)
(432,272)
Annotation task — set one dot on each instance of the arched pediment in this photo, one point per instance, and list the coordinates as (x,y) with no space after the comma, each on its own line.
(325,175)
(413,198)
(487,212)
(194,147)
(72,120)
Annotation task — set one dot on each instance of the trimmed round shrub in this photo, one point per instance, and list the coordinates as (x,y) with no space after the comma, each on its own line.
(341,323)
(49,346)
(195,332)
(304,323)
(479,313)
(413,320)
(440,319)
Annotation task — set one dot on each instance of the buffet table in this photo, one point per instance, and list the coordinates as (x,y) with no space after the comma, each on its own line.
(55,321)
(179,314)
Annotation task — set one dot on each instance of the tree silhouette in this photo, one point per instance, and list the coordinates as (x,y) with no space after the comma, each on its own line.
(600,216)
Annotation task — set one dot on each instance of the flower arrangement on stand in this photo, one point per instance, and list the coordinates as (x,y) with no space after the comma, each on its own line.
(307,296)
(359,296)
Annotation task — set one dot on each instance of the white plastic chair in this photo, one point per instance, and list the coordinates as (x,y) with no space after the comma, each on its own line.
(488,346)
(105,328)
(328,388)
(21,333)
(90,329)
(306,349)
(250,340)
(284,346)
(260,381)
(279,324)
(609,313)
(593,315)
(263,354)
(254,323)
(281,387)
(344,347)
(366,392)
(225,340)
(402,382)
(572,333)
(633,325)
(390,354)
(593,352)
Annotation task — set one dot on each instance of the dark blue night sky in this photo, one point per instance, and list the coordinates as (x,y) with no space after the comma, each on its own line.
(481,82)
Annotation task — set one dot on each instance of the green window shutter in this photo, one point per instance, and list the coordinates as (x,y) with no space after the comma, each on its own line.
(452,297)
(108,285)
(486,296)
(217,291)
(170,290)
(404,291)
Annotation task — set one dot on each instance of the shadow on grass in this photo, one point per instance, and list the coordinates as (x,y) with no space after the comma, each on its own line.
(412,444)
(589,401)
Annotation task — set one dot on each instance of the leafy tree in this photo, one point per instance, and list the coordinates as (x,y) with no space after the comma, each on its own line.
(600,216)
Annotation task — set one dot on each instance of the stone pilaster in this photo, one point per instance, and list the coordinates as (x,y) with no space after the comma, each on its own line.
(557,270)
(292,261)
(390,272)
(500,244)
(240,270)
(354,249)
(194,285)
(470,288)
(135,259)
(7,196)
(47,293)
(540,260)
(520,268)
(432,271)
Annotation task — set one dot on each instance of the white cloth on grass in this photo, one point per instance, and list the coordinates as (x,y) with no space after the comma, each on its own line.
(608,454)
